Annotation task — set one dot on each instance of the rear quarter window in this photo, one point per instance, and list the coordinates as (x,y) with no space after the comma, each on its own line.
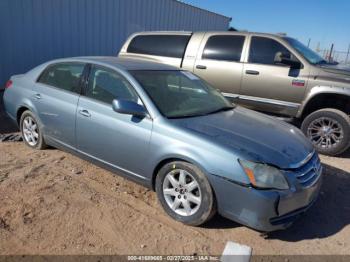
(159,45)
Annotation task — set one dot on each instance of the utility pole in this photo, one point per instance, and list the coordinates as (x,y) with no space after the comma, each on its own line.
(308,43)
(330,53)
(347,55)
(318,47)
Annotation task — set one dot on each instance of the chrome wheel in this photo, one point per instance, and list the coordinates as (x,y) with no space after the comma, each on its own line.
(181,192)
(325,132)
(30,131)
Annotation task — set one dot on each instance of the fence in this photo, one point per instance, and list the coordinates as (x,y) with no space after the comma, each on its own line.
(342,57)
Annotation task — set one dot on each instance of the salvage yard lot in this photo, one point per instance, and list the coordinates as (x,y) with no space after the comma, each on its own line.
(52,202)
(55,203)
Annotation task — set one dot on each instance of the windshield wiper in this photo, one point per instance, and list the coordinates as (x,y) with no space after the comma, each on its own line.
(225,108)
(321,62)
(324,62)
(221,109)
(182,116)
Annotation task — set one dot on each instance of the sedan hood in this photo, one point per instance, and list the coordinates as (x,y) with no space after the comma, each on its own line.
(252,135)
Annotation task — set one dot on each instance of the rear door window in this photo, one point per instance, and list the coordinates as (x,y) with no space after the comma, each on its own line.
(159,45)
(65,76)
(263,50)
(224,47)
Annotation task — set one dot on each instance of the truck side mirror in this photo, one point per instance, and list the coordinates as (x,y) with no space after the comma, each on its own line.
(286,59)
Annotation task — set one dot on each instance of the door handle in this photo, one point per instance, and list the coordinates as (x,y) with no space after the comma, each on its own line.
(252,72)
(37,96)
(84,112)
(201,67)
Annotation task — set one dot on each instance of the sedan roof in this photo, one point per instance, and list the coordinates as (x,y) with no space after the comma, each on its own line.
(126,63)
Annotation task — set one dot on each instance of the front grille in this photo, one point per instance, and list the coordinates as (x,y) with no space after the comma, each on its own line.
(310,172)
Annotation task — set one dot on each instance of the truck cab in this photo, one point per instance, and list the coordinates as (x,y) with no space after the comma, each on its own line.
(270,73)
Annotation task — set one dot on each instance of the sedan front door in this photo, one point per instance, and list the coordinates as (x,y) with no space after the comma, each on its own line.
(120,141)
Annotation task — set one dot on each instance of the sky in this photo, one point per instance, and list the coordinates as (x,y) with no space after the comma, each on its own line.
(322,21)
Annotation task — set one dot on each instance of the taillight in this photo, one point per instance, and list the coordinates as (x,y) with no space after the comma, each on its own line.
(8,84)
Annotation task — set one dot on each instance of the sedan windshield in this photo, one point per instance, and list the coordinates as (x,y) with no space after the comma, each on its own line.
(306,52)
(179,94)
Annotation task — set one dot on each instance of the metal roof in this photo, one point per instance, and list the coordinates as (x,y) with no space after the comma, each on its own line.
(48,29)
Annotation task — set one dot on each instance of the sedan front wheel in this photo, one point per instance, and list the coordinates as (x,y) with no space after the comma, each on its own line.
(185,193)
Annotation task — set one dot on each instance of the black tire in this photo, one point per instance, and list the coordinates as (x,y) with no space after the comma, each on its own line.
(206,209)
(336,115)
(40,144)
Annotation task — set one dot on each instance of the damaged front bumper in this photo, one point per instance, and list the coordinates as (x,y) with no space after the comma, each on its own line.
(264,210)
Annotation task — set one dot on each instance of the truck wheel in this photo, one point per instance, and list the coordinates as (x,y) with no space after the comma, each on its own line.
(185,193)
(329,130)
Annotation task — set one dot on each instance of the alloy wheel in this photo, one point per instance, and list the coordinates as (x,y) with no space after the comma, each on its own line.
(30,131)
(182,192)
(325,132)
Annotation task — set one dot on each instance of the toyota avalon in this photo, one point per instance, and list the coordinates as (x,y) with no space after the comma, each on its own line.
(169,130)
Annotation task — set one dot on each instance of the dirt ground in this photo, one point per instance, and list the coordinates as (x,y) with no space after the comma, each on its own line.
(52,202)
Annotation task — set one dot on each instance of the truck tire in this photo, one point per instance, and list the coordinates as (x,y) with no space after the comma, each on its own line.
(329,131)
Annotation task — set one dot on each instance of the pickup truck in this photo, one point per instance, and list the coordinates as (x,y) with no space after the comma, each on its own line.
(271,73)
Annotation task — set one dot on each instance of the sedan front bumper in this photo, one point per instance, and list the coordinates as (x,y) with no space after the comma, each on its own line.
(263,210)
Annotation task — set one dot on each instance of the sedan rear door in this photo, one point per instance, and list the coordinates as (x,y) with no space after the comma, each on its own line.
(56,96)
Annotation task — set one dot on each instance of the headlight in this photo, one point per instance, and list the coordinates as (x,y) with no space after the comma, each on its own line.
(264,176)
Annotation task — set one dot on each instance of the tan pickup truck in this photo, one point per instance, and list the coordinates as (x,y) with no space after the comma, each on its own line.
(265,72)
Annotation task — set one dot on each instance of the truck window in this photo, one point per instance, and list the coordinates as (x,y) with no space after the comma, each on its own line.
(224,47)
(263,50)
(159,45)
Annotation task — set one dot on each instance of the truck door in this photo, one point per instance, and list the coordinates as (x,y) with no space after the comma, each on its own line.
(269,86)
(219,62)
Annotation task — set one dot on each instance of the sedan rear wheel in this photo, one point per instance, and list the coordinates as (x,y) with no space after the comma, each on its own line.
(185,193)
(31,132)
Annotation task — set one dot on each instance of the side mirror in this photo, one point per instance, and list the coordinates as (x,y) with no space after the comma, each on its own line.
(283,58)
(128,107)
